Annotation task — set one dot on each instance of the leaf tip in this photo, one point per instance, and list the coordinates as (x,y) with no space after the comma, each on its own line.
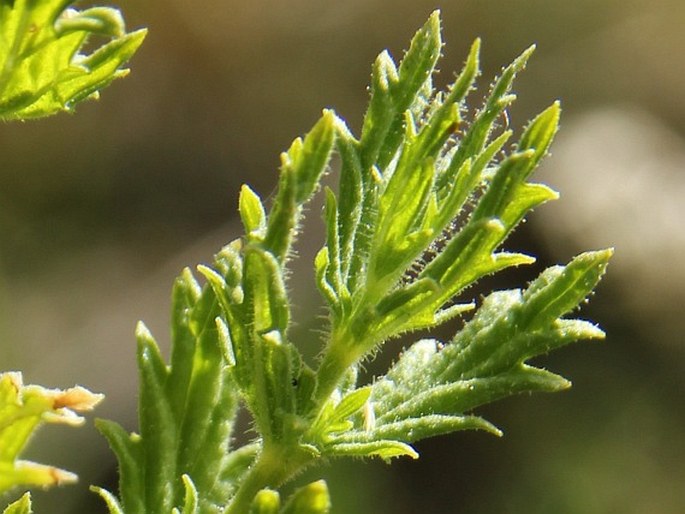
(434,20)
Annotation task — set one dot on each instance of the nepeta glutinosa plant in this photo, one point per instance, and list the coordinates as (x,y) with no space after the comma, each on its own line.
(426,196)
(395,260)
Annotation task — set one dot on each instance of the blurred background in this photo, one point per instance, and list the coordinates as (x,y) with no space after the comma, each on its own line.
(100,211)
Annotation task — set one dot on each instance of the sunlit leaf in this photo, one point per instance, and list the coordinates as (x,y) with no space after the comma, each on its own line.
(43,65)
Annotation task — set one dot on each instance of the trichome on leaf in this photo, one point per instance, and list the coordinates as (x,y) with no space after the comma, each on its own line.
(417,166)
(427,194)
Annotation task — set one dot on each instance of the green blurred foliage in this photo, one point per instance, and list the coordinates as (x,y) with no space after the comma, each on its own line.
(218,90)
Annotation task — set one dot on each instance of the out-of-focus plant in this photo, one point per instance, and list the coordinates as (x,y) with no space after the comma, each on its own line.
(43,66)
(23,408)
(44,70)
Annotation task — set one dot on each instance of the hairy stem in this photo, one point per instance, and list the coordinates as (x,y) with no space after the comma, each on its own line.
(336,361)
(275,465)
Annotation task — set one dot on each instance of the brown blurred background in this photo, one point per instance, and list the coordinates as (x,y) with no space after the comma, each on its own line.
(99,211)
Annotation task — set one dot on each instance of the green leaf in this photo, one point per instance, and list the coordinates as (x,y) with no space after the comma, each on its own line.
(105,21)
(21,506)
(403,201)
(351,195)
(157,425)
(540,132)
(334,419)
(239,461)
(560,289)
(478,133)
(393,91)
(187,409)
(376,448)
(301,168)
(310,158)
(333,269)
(23,409)
(321,268)
(422,207)
(433,387)
(110,500)
(507,187)
(129,453)
(43,69)
(185,295)
(427,195)
(351,404)
(252,213)
(265,288)
(190,503)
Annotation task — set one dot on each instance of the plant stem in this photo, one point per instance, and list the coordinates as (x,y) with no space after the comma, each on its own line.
(336,361)
(275,465)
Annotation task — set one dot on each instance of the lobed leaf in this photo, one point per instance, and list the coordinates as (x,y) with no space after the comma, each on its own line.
(187,411)
(43,69)
(301,168)
(21,506)
(393,91)
(433,387)
(23,409)
(425,200)
(395,258)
